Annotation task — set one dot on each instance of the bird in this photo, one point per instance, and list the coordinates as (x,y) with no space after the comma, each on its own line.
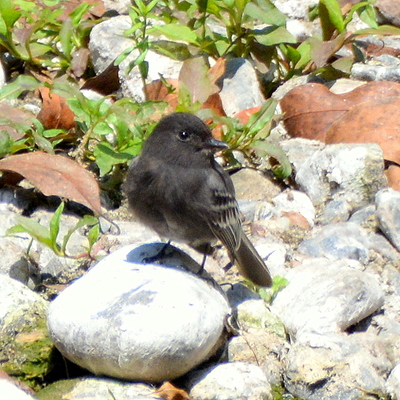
(177,188)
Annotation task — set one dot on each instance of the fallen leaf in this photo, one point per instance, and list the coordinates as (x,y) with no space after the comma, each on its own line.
(56,175)
(309,110)
(194,75)
(105,83)
(55,113)
(373,121)
(244,115)
(214,102)
(217,70)
(170,392)
(393,176)
(167,91)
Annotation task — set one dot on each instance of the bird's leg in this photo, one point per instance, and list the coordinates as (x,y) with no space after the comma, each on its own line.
(203,263)
(158,255)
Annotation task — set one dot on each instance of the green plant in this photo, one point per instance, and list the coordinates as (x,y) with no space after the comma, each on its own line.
(334,21)
(253,29)
(250,138)
(48,236)
(34,32)
(112,133)
(140,14)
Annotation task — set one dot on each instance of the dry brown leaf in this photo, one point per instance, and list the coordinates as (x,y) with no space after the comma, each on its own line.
(373,121)
(393,176)
(55,113)
(170,392)
(309,110)
(158,91)
(105,83)
(217,70)
(56,175)
(214,102)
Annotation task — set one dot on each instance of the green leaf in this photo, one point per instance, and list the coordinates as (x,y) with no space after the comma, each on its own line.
(107,157)
(33,228)
(335,14)
(77,15)
(266,12)
(6,143)
(258,121)
(21,84)
(87,220)
(176,32)
(55,224)
(65,38)
(271,36)
(9,16)
(102,128)
(284,169)
(93,235)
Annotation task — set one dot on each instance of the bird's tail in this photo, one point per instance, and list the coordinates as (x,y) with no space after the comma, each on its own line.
(250,263)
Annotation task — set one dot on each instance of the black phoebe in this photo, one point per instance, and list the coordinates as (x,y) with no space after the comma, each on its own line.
(178,189)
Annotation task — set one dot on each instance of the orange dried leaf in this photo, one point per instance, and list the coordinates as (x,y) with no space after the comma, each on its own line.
(170,392)
(55,113)
(56,175)
(159,91)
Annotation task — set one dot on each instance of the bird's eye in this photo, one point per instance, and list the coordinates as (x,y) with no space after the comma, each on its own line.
(183,135)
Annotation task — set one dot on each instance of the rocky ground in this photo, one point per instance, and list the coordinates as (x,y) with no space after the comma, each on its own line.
(330,236)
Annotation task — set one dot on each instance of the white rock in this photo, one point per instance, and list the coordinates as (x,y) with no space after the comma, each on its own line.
(8,391)
(388,212)
(393,383)
(350,172)
(325,297)
(233,381)
(18,303)
(98,388)
(295,201)
(107,42)
(139,321)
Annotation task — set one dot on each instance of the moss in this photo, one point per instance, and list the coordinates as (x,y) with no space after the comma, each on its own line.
(57,390)
(27,354)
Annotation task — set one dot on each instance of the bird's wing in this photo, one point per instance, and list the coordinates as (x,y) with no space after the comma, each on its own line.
(226,224)
(224,218)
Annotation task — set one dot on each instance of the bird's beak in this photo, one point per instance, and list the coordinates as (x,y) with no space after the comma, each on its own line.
(215,145)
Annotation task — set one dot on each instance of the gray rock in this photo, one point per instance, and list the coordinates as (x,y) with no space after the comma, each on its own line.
(98,389)
(352,172)
(388,212)
(18,304)
(382,68)
(240,87)
(337,241)
(337,367)
(233,381)
(107,42)
(325,297)
(140,321)
(296,8)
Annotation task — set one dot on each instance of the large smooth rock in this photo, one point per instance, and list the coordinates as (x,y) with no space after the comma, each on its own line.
(326,297)
(234,381)
(139,321)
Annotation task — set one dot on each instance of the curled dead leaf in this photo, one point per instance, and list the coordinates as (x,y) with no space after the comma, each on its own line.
(169,392)
(55,113)
(56,175)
